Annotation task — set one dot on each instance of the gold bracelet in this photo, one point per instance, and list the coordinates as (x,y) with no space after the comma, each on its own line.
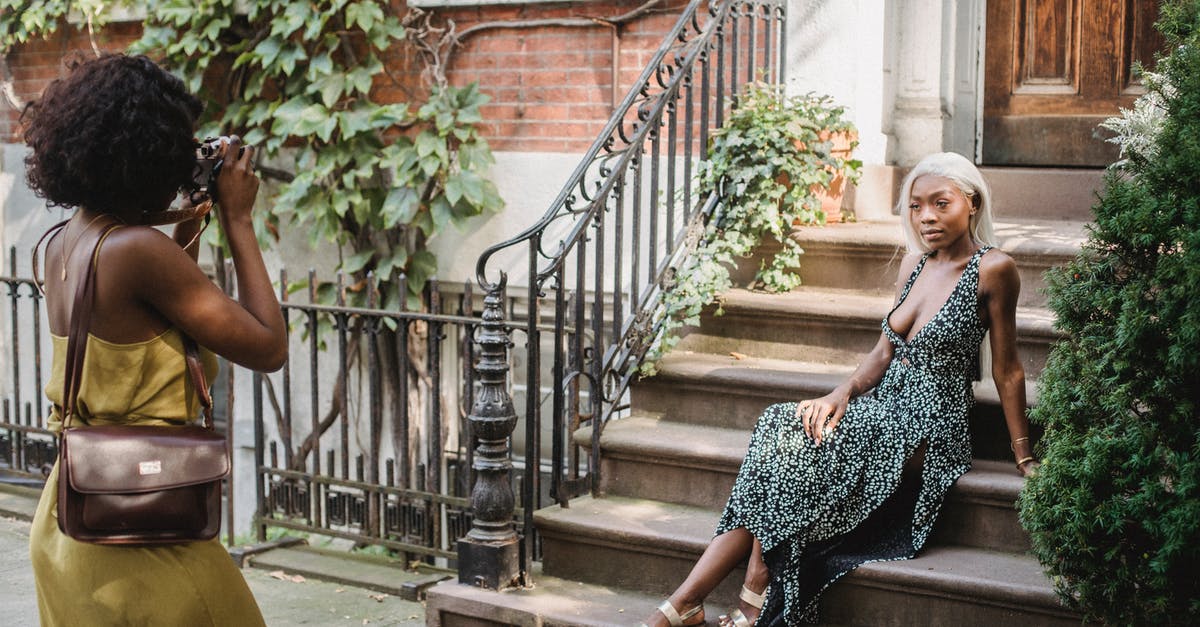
(1024,460)
(1012,445)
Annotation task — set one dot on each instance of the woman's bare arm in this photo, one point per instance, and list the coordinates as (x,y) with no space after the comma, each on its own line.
(1002,285)
(249,331)
(818,415)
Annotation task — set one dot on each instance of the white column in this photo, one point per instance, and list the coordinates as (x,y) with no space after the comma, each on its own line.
(934,63)
(837,48)
(920,60)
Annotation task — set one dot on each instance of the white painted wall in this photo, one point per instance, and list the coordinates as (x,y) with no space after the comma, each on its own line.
(908,71)
(837,48)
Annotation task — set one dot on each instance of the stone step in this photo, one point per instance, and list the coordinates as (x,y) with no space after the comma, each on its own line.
(829,326)
(550,601)
(866,255)
(649,458)
(728,391)
(1020,194)
(650,546)
(1017,193)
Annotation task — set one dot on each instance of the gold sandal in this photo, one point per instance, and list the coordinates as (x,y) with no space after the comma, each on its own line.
(736,618)
(673,616)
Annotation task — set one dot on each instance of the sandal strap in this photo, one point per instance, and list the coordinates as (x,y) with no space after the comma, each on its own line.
(673,616)
(752,598)
(737,619)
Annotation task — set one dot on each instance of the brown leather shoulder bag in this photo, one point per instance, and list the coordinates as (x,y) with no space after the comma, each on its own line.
(131,484)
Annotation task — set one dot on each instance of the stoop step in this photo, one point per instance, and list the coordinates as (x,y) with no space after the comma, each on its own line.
(1018,193)
(550,601)
(830,325)
(650,546)
(866,255)
(649,458)
(728,391)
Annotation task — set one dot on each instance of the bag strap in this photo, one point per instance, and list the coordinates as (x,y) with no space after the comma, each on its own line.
(191,352)
(81,320)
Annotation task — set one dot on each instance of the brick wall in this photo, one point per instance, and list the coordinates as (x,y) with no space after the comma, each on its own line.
(551,87)
(37,63)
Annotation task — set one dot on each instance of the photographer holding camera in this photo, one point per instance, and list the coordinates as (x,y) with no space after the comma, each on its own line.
(114,139)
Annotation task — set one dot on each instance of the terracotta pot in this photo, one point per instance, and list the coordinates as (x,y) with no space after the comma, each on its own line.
(831,198)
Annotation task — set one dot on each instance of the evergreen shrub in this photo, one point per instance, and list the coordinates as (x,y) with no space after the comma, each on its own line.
(1114,510)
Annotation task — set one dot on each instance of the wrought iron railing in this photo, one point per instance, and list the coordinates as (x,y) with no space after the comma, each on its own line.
(27,448)
(358,436)
(597,262)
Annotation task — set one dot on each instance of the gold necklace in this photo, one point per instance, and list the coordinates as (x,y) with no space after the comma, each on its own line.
(68,248)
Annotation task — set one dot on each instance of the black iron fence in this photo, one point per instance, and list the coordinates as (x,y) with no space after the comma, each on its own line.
(360,436)
(27,449)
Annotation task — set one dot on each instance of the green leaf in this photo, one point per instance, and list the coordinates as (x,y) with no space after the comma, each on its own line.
(401,205)
(422,265)
(267,50)
(357,261)
(331,88)
(363,14)
(440,212)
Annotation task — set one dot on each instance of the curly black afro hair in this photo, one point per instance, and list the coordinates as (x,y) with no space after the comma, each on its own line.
(114,135)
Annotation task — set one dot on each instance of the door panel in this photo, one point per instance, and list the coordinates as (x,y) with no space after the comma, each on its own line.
(1054,69)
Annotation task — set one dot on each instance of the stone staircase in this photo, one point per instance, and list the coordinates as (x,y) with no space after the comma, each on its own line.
(668,468)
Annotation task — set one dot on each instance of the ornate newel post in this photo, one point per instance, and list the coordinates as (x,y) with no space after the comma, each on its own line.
(489,554)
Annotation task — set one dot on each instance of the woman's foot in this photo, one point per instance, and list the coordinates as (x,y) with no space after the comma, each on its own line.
(676,612)
(750,605)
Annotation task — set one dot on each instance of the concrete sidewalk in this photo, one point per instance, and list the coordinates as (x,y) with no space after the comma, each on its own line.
(349,591)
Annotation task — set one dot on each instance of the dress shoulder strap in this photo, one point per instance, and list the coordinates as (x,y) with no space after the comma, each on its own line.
(912,277)
(50,233)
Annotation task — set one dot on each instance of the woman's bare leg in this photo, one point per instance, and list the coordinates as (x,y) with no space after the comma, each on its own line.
(724,553)
(757,578)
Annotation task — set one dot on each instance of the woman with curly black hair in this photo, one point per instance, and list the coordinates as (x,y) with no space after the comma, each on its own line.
(114,140)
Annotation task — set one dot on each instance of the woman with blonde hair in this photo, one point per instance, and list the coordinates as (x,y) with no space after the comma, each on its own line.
(860,474)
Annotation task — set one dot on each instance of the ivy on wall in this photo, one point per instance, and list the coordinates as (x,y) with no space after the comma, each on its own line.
(297,78)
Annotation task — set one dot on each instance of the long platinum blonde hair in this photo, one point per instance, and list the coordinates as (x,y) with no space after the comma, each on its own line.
(959,170)
(967,178)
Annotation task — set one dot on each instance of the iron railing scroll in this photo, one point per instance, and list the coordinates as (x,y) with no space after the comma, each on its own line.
(599,258)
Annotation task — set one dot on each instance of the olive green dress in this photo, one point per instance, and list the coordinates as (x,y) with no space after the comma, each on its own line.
(78,583)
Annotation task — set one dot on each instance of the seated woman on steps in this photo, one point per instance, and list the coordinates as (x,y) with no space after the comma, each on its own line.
(859,475)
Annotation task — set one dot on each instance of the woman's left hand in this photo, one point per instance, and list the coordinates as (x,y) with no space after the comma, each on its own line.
(821,416)
(1029,468)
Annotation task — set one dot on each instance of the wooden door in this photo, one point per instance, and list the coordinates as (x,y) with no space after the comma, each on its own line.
(1054,69)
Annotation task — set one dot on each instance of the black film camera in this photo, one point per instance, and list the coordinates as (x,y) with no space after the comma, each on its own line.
(208,167)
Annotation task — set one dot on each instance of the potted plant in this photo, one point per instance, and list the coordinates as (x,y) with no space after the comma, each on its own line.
(778,162)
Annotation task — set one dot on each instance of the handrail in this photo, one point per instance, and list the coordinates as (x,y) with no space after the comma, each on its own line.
(628,215)
(603,142)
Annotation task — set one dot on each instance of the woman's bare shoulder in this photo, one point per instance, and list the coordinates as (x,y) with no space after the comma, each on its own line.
(907,265)
(998,270)
(997,261)
(143,253)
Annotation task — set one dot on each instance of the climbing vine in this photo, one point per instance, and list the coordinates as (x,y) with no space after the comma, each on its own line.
(379,179)
(768,164)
